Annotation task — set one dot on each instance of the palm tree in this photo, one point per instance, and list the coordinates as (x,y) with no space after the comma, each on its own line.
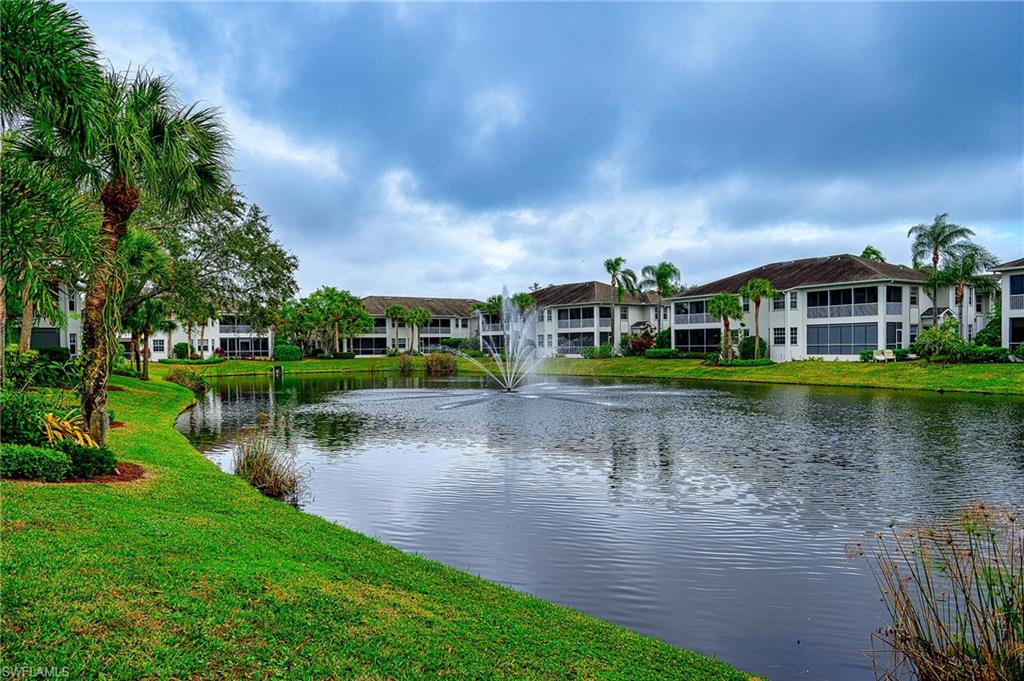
(523,302)
(725,306)
(168,326)
(151,315)
(756,290)
(396,313)
(940,238)
(623,281)
(417,318)
(967,268)
(663,280)
(146,142)
(872,253)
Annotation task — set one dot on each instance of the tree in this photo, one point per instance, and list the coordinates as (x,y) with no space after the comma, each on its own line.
(167,326)
(396,313)
(326,309)
(494,306)
(757,289)
(967,267)
(355,320)
(152,316)
(872,253)
(623,281)
(140,261)
(523,302)
(725,306)
(663,280)
(416,319)
(935,240)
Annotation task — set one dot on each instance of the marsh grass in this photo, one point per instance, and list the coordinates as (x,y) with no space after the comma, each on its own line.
(954,593)
(271,469)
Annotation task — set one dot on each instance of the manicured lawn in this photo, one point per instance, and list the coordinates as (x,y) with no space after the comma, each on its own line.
(193,574)
(984,378)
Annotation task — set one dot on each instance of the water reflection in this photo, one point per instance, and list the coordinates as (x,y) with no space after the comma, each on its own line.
(713,518)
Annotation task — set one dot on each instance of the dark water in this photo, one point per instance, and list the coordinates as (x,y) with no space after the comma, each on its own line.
(715,518)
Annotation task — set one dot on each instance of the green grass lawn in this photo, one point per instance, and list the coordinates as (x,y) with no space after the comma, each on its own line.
(1007,379)
(191,573)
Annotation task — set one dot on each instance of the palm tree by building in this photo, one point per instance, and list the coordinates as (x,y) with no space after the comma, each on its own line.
(396,313)
(969,267)
(872,253)
(623,280)
(756,290)
(663,280)
(151,315)
(934,241)
(725,306)
(523,302)
(416,319)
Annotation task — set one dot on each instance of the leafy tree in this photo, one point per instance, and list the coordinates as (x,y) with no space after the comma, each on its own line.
(396,313)
(725,306)
(872,253)
(355,319)
(663,280)
(147,143)
(152,316)
(336,314)
(416,319)
(623,280)
(935,240)
(965,267)
(523,302)
(943,339)
(757,289)
(992,334)
(140,260)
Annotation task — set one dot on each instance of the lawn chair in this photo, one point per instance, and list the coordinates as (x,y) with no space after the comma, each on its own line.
(878,355)
(889,355)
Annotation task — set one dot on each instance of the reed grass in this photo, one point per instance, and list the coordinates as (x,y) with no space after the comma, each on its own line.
(271,469)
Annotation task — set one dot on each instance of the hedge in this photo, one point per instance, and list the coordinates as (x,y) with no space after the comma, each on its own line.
(208,360)
(287,353)
(29,462)
(87,462)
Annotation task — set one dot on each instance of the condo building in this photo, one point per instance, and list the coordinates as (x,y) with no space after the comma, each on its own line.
(1012,289)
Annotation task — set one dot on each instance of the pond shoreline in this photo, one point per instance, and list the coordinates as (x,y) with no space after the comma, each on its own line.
(259,588)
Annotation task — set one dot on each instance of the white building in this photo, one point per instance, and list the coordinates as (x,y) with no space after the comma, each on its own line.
(831,307)
(1012,289)
(230,334)
(449,318)
(46,332)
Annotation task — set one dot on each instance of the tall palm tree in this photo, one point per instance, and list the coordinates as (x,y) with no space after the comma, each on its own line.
(757,289)
(146,142)
(416,319)
(623,280)
(936,240)
(167,326)
(396,313)
(967,268)
(152,314)
(663,280)
(872,253)
(523,302)
(725,306)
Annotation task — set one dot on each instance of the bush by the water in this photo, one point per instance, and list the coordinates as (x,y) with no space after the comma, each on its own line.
(603,351)
(954,593)
(87,462)
(978,354)
(287,353)
(21,418)
(440,364)
(404,364)
(30,462)
(189,377)
(461,344)
(663,339)
(272,470)
(747,348)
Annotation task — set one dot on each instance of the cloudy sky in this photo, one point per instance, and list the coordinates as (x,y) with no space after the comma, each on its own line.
(430,149)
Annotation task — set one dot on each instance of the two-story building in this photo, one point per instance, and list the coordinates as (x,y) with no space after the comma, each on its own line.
(1012,289)
(831,307)
(449,318)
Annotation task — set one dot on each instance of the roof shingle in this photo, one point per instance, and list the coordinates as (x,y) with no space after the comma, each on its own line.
(582,293)
(1011,265)
(439,307)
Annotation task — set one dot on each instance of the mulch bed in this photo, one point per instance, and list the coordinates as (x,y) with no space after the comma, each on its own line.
(115,389)
(126,472)
(117,424)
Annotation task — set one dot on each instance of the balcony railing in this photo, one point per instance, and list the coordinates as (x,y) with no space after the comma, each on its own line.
(699,318)
(576,323)
(894,308)
(235,328)
(491,328)
(605,323)
(1017,301)
(854,310)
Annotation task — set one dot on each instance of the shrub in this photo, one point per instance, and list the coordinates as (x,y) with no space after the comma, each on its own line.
(636,346)
(54,353)
(943,339)
(87,462)
(866,355)
(208,360)
(440,364)
(47,367)
(339,355)
(122,367)
(663,339)
(902,354)
(271,470)
(188,377)
(404,364)
(661,353)
(33,463)
(747,348)
(473,352)
(21,418)
(180,351)
(954,594)
(462,344)
(287,353)
(978,354)
(603,351)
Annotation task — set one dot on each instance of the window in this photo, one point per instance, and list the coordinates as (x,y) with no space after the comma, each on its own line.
(1016,331)
(792,300)
(779,335)
(913,295)
(624,313)
(894,294)
(913,332)
(793,333)
(540,340)
(893,335)
(746,304)
(571,343)
(206,345)
(370,346)
(401,343)
(158,344)
(779,301)
(71,303)
(73,343)
(549,314)
(1016,284)
(698,340)
(549,338)
(841,339)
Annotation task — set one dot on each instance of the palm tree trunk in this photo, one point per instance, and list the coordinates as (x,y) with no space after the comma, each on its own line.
(133,348)
(727,338)
(202,337)
(188,332)
(145,352)
(659,311)
(960,307)
(27,316)
(3,327)
(169,347)
(119,202)
(337,348)
(612,320)
(757,328)
(935,288)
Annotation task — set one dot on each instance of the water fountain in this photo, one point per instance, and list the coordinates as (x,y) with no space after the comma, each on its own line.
(518,355)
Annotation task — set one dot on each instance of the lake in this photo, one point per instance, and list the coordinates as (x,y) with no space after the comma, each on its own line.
(712,516)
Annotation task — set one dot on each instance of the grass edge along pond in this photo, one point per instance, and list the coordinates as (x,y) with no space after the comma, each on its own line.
(1005,379)
(191,572)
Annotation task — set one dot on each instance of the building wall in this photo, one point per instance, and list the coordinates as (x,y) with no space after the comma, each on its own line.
(383,337)
(1012,291)
(554,336)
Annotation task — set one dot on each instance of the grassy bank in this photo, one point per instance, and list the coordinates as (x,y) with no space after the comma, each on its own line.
(1006,379)
(192,573)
